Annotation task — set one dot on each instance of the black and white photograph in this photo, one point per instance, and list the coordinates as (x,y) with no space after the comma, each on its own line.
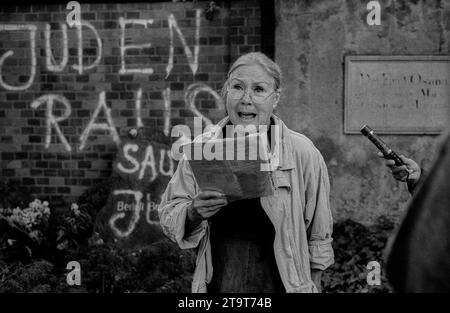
(225,148)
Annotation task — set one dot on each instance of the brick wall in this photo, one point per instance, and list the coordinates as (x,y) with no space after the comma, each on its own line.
(35,81)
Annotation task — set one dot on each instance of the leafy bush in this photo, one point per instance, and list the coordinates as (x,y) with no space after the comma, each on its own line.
(161,267)
(37,232)
(95,198)
(13,195)
(25,229)
(31,262)
(37,242)
(75,229)
(355,245)
(32,277)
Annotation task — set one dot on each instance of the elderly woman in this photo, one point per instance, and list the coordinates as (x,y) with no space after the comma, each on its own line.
(275,243)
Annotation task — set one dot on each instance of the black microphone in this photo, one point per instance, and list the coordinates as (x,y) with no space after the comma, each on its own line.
(388,153)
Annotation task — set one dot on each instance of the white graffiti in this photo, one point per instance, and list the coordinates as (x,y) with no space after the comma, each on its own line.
(134,218)
(136,208)
(163,153)
(147,162)
(191,94)
(80,67)
(166,97)
(151,206)
(109,126)
(193,60)
(123,48)
(56,61)
(126,152)
(52,120)
(139,123)
(16,27)
(52,65)
(50,60)
(73,20)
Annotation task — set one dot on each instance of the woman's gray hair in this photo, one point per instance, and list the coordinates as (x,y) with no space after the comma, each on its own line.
(259,58)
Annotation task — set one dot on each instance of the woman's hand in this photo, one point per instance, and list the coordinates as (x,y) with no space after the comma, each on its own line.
(398,172)
(206,204)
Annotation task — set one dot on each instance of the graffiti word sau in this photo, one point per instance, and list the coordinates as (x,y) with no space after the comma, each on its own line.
(147,162)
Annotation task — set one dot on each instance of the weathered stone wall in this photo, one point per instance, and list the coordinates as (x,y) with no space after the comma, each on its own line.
(312,38)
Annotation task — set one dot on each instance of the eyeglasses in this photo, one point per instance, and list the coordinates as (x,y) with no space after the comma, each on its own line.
(258,93)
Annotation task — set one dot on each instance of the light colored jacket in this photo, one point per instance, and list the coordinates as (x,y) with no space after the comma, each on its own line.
(299,210)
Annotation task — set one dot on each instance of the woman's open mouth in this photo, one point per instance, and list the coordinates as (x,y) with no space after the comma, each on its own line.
(246,116)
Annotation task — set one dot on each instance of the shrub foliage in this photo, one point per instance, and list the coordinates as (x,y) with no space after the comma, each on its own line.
(31,265)
(355,245)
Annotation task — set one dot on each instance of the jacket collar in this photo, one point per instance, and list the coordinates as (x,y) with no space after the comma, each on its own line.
(281,155)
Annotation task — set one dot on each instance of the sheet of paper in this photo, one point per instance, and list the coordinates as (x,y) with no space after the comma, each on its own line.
(234,170)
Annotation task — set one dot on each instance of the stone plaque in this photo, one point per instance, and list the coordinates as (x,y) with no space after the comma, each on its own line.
(397,94)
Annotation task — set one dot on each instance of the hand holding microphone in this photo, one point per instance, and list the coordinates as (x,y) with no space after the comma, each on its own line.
(398,172)
(403,169)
